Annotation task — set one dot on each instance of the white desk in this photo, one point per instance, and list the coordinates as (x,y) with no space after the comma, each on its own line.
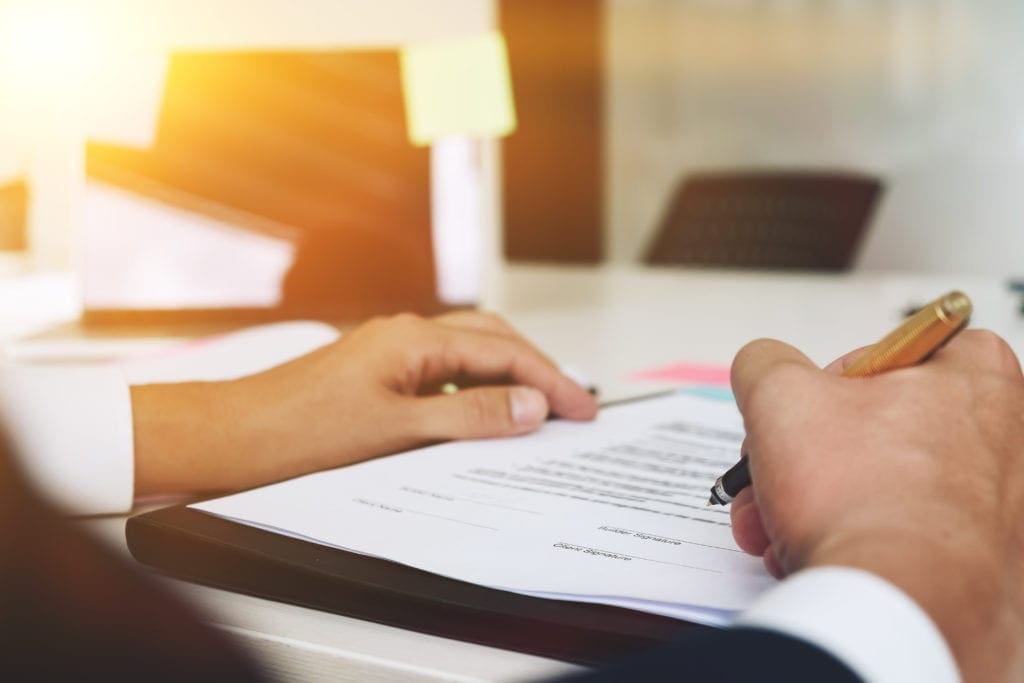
(611,321)
(606,322)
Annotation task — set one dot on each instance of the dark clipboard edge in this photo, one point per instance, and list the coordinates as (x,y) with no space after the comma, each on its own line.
(198,547)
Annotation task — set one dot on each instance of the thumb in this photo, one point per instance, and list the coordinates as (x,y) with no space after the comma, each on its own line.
(482,412)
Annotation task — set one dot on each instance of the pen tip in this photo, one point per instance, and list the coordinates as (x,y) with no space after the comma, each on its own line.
(710,504)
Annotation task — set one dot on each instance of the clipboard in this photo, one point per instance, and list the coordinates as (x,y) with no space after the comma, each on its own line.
(198,547)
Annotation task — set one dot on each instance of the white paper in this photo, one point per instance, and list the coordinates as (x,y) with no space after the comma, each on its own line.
(231,355)
(610,512)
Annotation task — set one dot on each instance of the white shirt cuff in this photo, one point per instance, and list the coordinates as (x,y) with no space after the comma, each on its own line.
(864,621)
(72,428)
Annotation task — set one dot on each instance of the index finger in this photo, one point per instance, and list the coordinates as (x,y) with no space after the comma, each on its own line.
(759,359)
(477,320)
(488,322)
(489,356)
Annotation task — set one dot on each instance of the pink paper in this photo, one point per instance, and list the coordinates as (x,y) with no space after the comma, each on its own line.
(685,373)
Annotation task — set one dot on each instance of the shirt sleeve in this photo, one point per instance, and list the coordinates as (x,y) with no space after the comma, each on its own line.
(72,430)
(866,622)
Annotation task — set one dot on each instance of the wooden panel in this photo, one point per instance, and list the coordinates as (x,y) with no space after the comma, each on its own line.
(14,216)
(554,162)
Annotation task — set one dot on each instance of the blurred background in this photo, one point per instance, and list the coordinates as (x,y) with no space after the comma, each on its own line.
(922,94)
(257,160)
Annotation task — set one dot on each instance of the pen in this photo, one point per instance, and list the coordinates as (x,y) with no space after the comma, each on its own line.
(452,387)
(920,335)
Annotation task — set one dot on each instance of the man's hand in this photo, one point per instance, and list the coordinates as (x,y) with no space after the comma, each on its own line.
(373,392)
(916,475)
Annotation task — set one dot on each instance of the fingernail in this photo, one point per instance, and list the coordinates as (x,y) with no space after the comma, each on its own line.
(527,406)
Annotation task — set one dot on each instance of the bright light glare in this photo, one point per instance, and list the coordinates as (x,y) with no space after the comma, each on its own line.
(47,43)
(47,54)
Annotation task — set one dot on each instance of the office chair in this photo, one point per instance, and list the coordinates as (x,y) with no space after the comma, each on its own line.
(766,219)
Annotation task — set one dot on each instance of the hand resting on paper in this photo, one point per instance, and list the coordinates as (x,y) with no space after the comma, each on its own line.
(371,393)
(916,475)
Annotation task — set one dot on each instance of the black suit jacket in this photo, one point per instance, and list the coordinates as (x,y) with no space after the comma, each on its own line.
(738,655)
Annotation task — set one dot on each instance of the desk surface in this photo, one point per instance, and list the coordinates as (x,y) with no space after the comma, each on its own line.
(606,322)
(611,321)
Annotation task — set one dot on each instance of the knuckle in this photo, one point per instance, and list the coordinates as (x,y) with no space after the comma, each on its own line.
(780,379)
(767,371)
(494,318)
(982,339)
(491,321)
(391,335)
(995,350)
(376,321)
(753,348)
(779,383)
(368,330)
(404,326)
(785,374)
(745,356)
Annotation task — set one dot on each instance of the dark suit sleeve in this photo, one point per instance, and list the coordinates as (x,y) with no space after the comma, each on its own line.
(71,610)
(740,655)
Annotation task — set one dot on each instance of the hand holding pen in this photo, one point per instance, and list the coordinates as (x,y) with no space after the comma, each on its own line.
(913,477)
(912,342)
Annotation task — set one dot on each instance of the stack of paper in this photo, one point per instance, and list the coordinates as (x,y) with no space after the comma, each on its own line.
(609,512)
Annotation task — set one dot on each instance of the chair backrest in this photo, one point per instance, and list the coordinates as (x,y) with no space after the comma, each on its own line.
(785,219)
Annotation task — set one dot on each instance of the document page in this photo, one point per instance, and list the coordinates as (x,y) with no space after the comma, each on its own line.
(610,512)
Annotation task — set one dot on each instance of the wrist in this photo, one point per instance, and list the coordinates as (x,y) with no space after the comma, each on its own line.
(959,583)
(185,437)
(274,434)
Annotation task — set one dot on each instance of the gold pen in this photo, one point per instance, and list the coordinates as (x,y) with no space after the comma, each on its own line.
(917,338)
